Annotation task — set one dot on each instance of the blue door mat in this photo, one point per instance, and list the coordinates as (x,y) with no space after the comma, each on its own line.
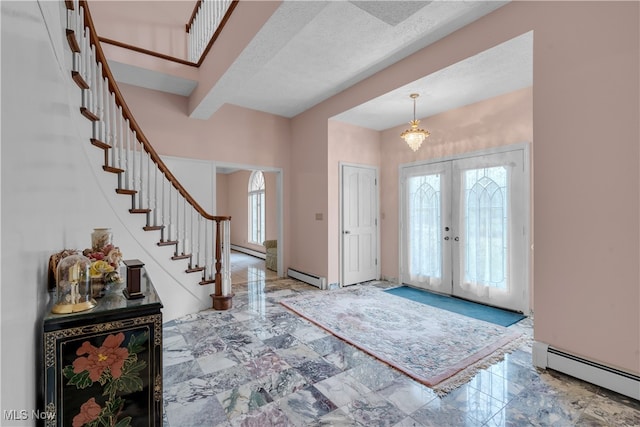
(460,306)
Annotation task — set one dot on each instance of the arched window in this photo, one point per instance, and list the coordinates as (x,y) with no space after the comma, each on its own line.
(256,208)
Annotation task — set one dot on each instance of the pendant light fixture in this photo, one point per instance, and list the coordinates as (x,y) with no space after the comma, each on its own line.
(414,136)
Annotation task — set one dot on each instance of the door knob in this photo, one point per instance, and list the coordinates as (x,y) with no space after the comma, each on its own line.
(456,238)
(446,238)
(347,232)
(446,229)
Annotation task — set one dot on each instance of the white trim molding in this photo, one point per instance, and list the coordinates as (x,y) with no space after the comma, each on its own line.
(545,356)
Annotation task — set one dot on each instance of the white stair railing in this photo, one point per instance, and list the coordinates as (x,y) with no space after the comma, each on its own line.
(207,17)
(196,235)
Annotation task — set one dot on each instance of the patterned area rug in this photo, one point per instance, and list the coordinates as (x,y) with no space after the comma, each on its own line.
(436,347)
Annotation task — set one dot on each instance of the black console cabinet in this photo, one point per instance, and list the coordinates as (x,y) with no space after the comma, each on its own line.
(104,365)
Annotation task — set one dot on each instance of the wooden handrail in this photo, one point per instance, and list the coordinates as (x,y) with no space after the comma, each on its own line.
(223,22)
(206,50)
(134,124)
(146,51)
(193,14)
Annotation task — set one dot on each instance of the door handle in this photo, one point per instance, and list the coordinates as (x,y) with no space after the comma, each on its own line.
(456,238)
(347,232)
(446,238)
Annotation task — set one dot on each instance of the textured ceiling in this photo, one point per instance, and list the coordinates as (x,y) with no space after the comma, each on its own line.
(310,50)
(496,71)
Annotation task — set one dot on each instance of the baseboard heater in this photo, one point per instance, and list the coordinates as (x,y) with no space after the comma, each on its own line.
(619,381)
(247,251)
(318,282)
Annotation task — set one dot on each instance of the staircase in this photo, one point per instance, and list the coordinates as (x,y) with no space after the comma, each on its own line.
(169,210)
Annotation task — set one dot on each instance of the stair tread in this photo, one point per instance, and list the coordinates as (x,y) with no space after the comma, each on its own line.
(168,243)
(100,144)
(139,211)
(183,256)
(152,227)
(73,42)
(89,114)
(112,169)
(126,191)
(194,269)
(80,81)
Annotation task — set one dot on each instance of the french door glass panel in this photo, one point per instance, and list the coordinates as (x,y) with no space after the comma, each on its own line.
(426,257)
(464,230)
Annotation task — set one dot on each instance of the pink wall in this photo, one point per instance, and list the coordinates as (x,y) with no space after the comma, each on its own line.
(586,159)
(586,178)
(222,196)
(237,202)
(233,135)
(157,26)
(246,20)
(499,121)
(587,182)
(354,145)
(309,195)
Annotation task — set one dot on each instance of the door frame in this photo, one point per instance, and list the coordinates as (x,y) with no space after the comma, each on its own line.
(341,254)
(526,148)
(279,209)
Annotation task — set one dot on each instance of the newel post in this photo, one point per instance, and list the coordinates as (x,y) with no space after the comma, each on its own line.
(222,298)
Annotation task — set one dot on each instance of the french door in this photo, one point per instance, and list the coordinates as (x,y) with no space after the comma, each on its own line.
(465,227)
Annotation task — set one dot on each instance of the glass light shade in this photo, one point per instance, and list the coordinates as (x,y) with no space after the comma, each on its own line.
(414,136)
(73,285)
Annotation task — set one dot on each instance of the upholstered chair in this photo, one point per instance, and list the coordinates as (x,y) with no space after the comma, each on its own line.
(271,260)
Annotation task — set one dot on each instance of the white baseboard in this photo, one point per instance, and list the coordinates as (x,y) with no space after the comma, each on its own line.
(247,251)
(318,282)
(619,381)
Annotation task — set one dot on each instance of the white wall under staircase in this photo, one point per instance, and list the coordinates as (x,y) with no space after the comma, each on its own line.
(54,193)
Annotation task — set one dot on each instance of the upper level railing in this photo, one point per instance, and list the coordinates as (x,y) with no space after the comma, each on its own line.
(207,19)
(198,236)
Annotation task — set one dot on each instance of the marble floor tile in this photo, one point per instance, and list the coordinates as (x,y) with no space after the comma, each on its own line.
(438,413)
(229,378)
(342,389)
(374,374)
(477,405)
(259,364)
(496,386)
(306,406)
(268,363)
(608,410)
(217,362)
(408,395)
(243,399)
(266,415)
(283,383)
(179,372)
(374,411)
(200,412)
(297,355)
(175,350)
(335,418)
(316,370)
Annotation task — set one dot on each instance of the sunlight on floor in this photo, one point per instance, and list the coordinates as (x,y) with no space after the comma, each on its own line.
(246,269)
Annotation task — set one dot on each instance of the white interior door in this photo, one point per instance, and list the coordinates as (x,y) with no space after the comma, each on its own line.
(359,224)
(465,228)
